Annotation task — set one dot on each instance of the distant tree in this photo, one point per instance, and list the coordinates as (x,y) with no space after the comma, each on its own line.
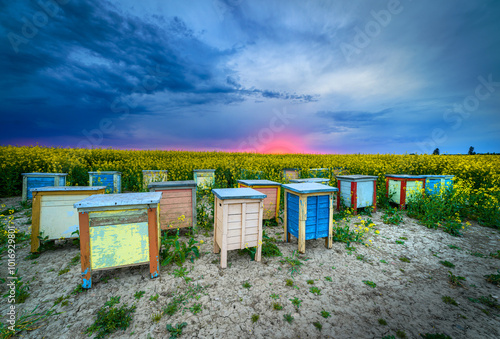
(436,151)
(471,151)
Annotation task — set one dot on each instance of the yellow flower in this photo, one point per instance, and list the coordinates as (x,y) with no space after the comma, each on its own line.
(201,241)
(377,232)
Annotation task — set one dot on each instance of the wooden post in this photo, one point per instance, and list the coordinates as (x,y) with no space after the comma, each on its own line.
(302,223)
(35,223)
(154,261)
(259,235)
(387,187)
(375,196)
(402,195)
(216,246)
(354,196)
(285,226)
(83,218)
(329,239)
(223,254)
(338,196)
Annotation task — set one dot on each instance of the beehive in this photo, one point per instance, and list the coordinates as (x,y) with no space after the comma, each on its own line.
(291,173)
(204,178)
(271,189)
(118,230)
(323,181)
(53,213)
(149,176)
(319,172)
(238,216)
(111,179)
(178,203)
(35,180)
(309,212)
(357,191)
(401,187)
(434,183)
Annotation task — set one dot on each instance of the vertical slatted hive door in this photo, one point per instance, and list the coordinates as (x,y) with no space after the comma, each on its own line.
(118,230)
(434,184)
(357,191)
(111,179)
(149,176)
(36,180)
(178,203)
(309,212)
(238,215)
(271,189)
(54,214)
(204,178)
(401,187)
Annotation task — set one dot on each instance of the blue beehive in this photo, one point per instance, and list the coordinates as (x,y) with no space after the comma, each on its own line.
(111,179)
(309,212)
(434,183)
(37,180)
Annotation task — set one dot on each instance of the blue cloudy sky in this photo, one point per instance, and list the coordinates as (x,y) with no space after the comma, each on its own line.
(266,76)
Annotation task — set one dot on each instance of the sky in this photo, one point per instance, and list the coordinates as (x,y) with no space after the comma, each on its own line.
(254,76)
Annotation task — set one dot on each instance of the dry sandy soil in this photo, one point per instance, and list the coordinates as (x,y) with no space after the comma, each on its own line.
(408,296)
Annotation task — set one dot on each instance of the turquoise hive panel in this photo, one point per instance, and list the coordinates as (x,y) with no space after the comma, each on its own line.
(318,211)
(37,182)
(292,215)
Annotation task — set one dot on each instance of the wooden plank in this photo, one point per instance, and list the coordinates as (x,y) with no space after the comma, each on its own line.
(243,221)
(83,218)
(259,233)
(224,249)
(154,248)
(237,225)
(285,219)
(118,219)
(329,240)
(217,222)
(35,224)
(302,223)
(175,193)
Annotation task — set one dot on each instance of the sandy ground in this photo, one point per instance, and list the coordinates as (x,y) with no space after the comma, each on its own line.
(407,295)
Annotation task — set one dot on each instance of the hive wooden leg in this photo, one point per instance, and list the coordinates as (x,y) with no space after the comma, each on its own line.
(216,246)
(223,254)
(154,261)
(302,224)
(83,218)
(35,224)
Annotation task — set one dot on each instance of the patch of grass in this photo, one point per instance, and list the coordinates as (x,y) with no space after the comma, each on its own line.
(155,317)
(63,271)
(328,279)
(493,278)
(403,238)
(196,308)
(325,314)
(25,321)
(78,289)
(255,318)
(112,301)
(246,284)
(382,322)
(289,282)
(310,282)
(296,302)
(487,301)
(477,254)
(176,251)
(154,297)
(315,290)
(60,300)
(370,283)
(400,242)
(435,336)
(318,325)
(21,289)
(383,261)
(176,331)
(495,255)
(392,216)
(360,257)
(401,334)
(274,296)
(288,318)
(110,318)
(447,264)
(449,300)
(455,280)
(404,259)
(293,263)
(75,260)
(138,295)
(277,306)
(454,247)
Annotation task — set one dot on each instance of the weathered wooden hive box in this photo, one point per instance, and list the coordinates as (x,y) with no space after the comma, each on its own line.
(238,214)
(319,172)
(53,212)
(357,191)
(401,187)
(111,179)
(149,176)
(435,183)
(204,178)
(309,212)
(178,203)
(291,173)
(323,181)
(35,180)
(271,189)
(118,230)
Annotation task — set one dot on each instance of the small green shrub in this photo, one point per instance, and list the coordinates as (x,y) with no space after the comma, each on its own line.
(176,251)
(370,283)
(404,259)
(315,290)
(325,314)
(255,318)
(435,336)
(176,331)
(493,278)
(110,318)
(318,325)
(392,216)
(382,322)
(288,318)
(246,284)
(456,280)
(296,302)
(449,300)
(138,295)
(277,306)
(447,264)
